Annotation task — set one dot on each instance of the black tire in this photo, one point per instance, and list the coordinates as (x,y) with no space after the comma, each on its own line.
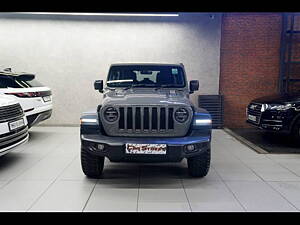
(92,166)
(198,166)
(296,131)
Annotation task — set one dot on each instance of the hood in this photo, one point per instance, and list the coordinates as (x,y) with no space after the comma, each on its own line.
(278,99)
(7,100)
(145,96)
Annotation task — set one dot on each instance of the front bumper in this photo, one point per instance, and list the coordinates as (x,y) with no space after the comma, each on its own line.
(274,121)
(36,118)
(11,140)
(114,147)
(270,125)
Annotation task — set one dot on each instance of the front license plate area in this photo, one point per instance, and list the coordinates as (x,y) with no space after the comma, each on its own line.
(252,118)
(47,98)
(16,124)
(153,149)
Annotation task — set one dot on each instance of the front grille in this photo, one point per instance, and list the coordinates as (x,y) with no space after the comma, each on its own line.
(10,112)
(254,109)
(146,119)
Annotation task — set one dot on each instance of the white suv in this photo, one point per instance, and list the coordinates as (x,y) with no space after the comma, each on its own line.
(35,99)
(13,124)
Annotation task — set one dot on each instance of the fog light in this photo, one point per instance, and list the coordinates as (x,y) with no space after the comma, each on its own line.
(190,147)
(100,147)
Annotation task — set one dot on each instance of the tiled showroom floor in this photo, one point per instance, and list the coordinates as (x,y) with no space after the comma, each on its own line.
(45,175)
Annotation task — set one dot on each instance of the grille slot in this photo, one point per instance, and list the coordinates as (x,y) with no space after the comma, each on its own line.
(154,118)
(129,118)
(146,118)
(138,118)
(10,112)
(170,119)
(163,119)
(121,120)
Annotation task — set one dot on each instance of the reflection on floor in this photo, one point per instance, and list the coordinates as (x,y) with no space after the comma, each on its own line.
(45,175)
(269,142)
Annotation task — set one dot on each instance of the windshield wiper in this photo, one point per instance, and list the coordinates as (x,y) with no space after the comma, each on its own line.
(138,85)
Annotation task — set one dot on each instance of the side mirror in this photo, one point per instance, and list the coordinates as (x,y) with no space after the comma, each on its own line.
(7,69)
(194,86)
(98,85)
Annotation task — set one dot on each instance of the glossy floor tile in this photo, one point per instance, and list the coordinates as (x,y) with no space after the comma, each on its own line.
(259,196)
(289,190)
(113,199)
(64,195)
(211,196)
(21,195)
(163,207)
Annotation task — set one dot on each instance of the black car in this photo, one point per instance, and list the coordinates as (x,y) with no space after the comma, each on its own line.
(278,113)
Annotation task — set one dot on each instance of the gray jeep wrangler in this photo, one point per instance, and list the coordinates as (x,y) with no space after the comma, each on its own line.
(146,116)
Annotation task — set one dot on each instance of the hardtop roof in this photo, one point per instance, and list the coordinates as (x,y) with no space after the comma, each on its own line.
(16,74)
(147,64)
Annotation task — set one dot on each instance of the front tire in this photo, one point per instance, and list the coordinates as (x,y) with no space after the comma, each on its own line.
(198,166)
(296,131)
(92,166)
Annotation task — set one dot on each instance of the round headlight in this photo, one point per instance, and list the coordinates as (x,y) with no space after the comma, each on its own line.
(181,115)
(111,114)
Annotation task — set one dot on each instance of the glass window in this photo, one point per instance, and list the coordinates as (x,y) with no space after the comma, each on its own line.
(21,81)
(146,76)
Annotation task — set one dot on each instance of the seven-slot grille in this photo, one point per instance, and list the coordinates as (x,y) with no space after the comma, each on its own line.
(10,112)
(254,109)
(140,119)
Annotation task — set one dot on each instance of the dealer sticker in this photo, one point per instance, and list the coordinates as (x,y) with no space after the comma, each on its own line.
(158,149)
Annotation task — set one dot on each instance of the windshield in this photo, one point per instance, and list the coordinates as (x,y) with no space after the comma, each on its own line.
(18,82)
(146,76)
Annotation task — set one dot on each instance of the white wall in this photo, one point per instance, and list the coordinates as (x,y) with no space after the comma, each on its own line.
(68,54)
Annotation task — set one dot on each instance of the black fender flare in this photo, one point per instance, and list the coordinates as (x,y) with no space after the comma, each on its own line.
(99,119)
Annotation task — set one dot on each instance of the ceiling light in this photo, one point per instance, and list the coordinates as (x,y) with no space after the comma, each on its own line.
(94,14)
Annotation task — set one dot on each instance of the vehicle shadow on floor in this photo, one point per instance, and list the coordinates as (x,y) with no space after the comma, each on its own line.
(9,160)
(37,135)
(149,175)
